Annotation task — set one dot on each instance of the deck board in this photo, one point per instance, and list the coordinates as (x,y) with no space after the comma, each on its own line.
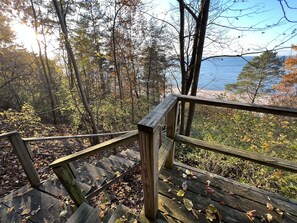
(36,205)
(232,199)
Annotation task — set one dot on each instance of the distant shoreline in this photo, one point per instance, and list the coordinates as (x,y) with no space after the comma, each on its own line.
(214,94)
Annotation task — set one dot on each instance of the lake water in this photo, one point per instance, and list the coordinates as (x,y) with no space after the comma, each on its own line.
(217,72)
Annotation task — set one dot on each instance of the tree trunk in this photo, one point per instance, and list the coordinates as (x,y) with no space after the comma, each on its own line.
(203,17)
(117,71)
(61,15)
(46,70)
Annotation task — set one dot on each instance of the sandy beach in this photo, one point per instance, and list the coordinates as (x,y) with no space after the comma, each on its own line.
(215,94)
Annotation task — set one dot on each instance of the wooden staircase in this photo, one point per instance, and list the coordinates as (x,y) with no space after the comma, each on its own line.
(97,175)
(44,202)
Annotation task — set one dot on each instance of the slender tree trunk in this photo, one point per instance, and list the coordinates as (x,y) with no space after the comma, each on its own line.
(202,30)
(117,70)
(61,15)
(44,68)
(256,91)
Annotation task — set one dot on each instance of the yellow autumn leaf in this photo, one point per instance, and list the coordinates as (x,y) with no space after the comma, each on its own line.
(188,204)
(251,215)
(117,173)
(180,193)
(26,211)
(9,210)
(269,206)
(269,217)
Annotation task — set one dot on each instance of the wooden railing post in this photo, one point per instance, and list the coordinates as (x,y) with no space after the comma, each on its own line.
(149,143)
(170,133)
(67,179)
(25,157)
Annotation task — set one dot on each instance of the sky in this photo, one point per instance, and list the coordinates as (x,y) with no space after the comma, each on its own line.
(271,12)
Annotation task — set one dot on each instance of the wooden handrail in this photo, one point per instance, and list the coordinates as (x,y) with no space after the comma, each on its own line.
(32,139)
(246,155)
(63,170)
(150,122)
(8,134)
(291,112)
(112,143)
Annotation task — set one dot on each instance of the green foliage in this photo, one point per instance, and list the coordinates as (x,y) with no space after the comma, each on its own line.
(26,122)
(271,135)
(258,76)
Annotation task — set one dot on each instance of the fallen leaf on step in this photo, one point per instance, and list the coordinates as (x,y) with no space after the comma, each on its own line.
(9,210)
(269,217)
(212,213)
(195,213)
(63,213)
(188,204)
(180,193)
(26,211)
(117,173)
(279,212)
(35,211)
(251,215)
(269,206)
(185,185)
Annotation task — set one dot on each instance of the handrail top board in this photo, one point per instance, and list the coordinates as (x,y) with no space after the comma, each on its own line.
(8,134)
(150,122)
(246,155)
(31,139)
(292,112)
(120,140)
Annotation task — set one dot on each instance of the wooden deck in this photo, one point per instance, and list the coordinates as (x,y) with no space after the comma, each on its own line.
(211,193)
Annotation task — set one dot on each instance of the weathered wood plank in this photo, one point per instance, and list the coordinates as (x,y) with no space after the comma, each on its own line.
(122,211)
(82,214)
(7,134)
(149,142)
(164,151)
(37,206)
(93,175)
(292,112)
(246,155)
(54,186)
(131,154)
(170,132)
(113,180)
(150,122)
(32,139)
(118,141)
(68,181)
(24,157)
(255,194)
(9,216)
(177,212)
(227,198)
(229,214)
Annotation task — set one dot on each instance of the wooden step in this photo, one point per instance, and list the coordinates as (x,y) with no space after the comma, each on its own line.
(122,214)
(121,162)
(93,175)
(35,205)
(130,155)
(53,186)
(105,164)
(81,214)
